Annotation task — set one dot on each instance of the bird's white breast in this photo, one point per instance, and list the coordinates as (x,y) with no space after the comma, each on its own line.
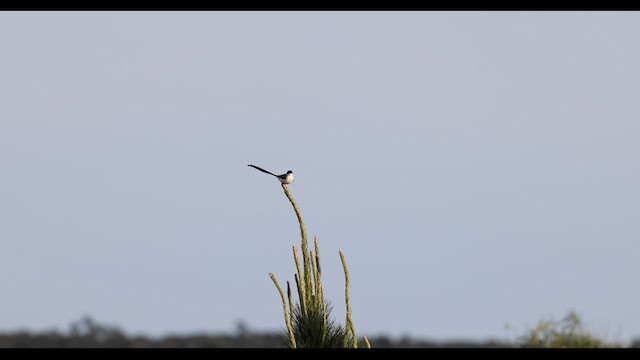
(288,179)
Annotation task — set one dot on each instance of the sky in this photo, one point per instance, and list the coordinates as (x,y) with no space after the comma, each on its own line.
(477,169)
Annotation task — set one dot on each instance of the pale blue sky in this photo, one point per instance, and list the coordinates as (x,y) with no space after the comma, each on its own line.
(477,168)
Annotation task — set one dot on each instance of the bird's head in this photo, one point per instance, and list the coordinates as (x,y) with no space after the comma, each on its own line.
(289,172)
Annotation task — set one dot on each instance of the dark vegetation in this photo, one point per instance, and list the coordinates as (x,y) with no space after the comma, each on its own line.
(87,333)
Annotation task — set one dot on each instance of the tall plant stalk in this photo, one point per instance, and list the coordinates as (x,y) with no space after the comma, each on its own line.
(308,321)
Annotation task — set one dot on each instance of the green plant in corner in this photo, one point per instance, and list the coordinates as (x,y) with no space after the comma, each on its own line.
(567,333)
(308,320)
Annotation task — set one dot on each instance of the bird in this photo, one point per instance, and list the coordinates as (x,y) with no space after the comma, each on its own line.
(284,178)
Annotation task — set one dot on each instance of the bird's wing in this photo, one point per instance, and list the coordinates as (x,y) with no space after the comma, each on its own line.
(263,170)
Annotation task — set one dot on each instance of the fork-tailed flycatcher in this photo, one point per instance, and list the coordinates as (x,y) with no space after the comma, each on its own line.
(284,178)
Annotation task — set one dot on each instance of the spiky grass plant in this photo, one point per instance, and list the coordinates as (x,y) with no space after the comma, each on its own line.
(308,321)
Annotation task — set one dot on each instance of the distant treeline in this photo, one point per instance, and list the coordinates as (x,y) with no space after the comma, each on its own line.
(87,333)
